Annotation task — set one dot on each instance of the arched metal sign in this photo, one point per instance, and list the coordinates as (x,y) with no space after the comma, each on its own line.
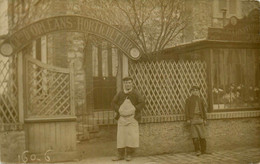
(71,23)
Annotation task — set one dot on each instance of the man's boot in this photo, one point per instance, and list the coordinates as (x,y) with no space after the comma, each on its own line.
(203,145)
(196,144)
(120,155)
(129,153)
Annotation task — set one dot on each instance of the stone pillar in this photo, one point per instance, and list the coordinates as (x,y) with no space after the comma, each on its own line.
(75,44)
(89,78)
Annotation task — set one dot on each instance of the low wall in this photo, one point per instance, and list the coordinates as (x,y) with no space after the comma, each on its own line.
(12,144)
(157,138)
(224,131)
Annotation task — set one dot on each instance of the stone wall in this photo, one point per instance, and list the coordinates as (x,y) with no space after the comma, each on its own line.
(12,144)
(234,133)
(174,137)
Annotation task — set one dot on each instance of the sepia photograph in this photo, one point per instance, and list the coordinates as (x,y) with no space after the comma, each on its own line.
(130,81)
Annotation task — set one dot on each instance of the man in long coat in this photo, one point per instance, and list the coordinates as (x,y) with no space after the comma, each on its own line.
(196,117)
(127,105)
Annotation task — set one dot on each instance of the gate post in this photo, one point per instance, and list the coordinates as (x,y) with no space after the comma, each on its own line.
(72,86)
(20,88)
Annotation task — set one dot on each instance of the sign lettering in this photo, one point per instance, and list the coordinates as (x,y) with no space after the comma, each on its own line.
(82,24)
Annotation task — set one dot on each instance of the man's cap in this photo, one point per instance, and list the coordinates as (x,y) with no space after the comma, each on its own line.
(127,78)
(194,87)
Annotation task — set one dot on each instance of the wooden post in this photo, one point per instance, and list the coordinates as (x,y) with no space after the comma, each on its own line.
(209,77)
(20,88)
(109,49)
(119,71)
(100,63)
(72,90)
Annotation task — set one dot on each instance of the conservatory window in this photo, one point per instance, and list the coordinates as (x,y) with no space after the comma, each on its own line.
(236,79)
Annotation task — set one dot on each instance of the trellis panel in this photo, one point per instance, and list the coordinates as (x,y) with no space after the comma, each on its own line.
(166,84)
(48,90)
(8,90)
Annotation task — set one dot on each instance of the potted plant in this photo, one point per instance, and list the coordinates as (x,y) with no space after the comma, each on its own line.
(217,98)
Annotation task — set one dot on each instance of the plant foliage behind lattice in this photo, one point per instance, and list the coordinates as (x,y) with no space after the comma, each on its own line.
(166,84)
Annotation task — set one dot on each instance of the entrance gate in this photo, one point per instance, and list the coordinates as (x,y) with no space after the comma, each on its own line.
(46,96)
(50,112)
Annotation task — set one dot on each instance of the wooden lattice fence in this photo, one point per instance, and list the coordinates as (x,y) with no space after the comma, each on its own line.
(166,85)
(48,90)
(8,90)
